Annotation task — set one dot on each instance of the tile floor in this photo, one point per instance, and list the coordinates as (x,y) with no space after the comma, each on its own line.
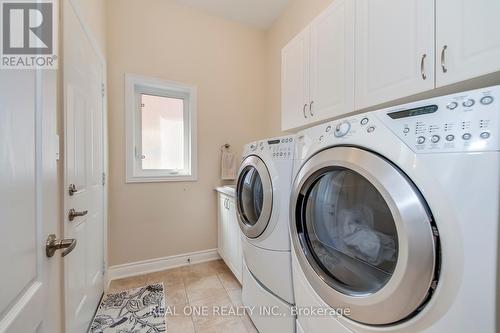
(205,285)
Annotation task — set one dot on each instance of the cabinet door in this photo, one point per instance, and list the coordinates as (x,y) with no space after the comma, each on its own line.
(236,251)
(467,39)
(222,227)
(295,82)
(394,49)
(332,61)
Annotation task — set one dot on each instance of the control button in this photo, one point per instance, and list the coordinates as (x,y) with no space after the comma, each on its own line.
(328,128)
(466,136)
(364,121)
(370,129)
(452,105)
(435,138)
(421,140)
(291,139)
(406,130)
(321,138)
(468,103)
(450,137)
(485,135)
(487,100)
(253,147)
(342,129)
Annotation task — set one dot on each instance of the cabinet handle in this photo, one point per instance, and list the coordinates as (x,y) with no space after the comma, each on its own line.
(310,108)
(225,203)
(304,110)
(422,66)
(443,59)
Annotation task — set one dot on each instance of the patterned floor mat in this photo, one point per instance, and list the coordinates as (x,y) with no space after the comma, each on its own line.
(139,310)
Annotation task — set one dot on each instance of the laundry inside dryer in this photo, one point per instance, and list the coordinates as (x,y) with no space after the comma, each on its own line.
(350,230)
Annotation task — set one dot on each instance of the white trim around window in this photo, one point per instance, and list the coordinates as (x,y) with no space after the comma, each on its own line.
(135,85)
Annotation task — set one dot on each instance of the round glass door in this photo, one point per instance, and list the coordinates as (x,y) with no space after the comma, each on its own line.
(253,197)
(363,236)
(349,232)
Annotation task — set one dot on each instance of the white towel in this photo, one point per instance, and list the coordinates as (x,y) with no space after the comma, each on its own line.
(228,165)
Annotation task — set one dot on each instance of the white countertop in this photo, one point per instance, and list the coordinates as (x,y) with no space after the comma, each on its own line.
(227,190)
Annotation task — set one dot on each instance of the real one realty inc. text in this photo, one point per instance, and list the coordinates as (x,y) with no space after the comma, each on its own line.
(265,311)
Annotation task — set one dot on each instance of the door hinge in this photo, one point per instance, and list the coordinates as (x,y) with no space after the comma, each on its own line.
(102,89)
(103,178)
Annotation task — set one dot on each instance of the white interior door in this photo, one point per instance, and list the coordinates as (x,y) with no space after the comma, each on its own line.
(30,287)
(83,112)
(467,39)
(394,49)
(332,61)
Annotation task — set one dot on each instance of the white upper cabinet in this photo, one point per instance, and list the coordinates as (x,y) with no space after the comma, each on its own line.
(318,69)
(394,49)
(295,81)
(467,39)
(362,53)
(332,62)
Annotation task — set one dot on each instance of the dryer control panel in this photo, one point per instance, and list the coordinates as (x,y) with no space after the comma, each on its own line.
(466,121)
(279,148)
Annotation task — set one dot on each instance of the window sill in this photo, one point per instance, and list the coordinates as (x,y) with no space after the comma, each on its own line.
(161,179)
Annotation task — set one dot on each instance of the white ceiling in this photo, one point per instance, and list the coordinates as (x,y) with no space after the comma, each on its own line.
(255,13)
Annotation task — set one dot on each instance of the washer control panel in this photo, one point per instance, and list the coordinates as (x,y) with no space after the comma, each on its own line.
(338,130)
(460,122)
(279,148)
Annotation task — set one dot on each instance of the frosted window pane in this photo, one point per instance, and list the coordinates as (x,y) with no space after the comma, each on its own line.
(162,132)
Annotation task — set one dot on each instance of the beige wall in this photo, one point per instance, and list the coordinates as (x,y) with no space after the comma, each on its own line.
(297,15)
(226,61)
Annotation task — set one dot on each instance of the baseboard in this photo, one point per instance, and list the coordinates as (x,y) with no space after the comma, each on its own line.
(160,264)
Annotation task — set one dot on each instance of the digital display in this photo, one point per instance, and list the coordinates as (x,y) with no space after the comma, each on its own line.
(413,112)
(273,142)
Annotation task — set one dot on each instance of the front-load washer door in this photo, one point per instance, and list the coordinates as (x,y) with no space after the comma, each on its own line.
(254,197)
(363,235)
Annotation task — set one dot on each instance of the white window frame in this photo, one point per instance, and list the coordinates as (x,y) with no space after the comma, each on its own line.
(135,85)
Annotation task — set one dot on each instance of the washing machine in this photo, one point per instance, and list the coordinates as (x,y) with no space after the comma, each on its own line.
(395,219)
(262,201)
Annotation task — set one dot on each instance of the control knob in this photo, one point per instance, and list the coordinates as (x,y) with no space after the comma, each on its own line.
(342,129)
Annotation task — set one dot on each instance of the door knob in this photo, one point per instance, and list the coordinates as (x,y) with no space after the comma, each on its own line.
(73,213)
(52,245)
